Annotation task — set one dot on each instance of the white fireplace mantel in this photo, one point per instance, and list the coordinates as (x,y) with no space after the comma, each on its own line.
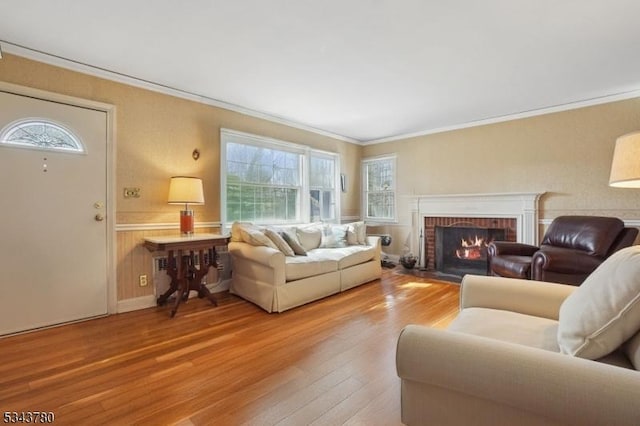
(523,206)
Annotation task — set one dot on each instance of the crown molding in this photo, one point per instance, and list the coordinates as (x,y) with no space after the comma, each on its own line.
(509,117)
(70,64)
(107,74)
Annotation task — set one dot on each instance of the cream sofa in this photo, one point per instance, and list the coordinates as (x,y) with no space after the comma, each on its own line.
(530,353)
(277,282)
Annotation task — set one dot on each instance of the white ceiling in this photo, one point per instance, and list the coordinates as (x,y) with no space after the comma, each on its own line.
(362,69)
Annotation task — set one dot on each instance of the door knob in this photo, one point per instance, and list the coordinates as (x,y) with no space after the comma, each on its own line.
(99,217)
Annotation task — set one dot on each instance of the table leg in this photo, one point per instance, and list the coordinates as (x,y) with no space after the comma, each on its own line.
(202,289)
(172,271)
(181,280)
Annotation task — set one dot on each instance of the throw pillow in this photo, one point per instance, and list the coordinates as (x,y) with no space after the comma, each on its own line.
(255,237)
(357,233)
(293,242)
(236,228)
(309,238)
(333,236)
(604,311)
(279,242)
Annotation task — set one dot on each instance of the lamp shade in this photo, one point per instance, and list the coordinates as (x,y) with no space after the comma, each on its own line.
(625,167)
(185,190)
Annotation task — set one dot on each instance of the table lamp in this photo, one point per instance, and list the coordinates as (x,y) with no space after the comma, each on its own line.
(186,190)
(625,167)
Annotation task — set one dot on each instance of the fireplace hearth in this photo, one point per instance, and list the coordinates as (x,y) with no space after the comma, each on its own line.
(461,250)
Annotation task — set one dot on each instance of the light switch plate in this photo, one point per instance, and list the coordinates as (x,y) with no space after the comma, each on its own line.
(132,193)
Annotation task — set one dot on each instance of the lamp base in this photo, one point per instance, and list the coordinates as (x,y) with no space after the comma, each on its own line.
(186,222)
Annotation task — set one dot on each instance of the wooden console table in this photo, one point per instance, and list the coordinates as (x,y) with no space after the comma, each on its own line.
(181,267)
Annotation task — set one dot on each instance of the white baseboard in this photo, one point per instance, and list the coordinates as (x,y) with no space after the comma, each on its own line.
(143,302)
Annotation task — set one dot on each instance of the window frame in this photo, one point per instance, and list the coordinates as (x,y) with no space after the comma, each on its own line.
(323,189)
(305,153)
(365,192)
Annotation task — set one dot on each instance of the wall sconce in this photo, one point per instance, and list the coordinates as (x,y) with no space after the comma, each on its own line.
(186,190)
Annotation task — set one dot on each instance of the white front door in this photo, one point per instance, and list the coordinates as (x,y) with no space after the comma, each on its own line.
(53,235)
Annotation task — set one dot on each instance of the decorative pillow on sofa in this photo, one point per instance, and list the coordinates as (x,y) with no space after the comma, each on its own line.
(279,242)
(255,237)
(333,236)
(291,239)
(356,233)
(309,237)
(236,227)
(604,312)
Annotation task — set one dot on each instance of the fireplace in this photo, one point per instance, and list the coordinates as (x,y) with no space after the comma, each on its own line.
(431,223)
(517,212)
(461,250)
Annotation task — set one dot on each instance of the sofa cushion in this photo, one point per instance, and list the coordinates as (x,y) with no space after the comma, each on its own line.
(507,326)
(349,256)
(604,311)
(315,263)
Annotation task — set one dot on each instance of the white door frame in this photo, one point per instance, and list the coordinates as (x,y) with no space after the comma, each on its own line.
(110,110)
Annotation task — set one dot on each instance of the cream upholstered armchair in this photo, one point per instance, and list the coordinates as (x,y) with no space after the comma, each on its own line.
(530,353)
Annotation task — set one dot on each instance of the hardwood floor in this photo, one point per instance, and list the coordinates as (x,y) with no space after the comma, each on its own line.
(330,362)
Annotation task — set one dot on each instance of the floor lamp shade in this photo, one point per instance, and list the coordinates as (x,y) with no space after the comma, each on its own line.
(186,190)
(625,167)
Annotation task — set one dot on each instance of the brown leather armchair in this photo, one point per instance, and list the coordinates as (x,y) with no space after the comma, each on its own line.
(571,249)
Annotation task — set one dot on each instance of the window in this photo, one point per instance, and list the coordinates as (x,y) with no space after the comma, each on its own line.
(379,188)
(269,181)
(40,134)
(322,187)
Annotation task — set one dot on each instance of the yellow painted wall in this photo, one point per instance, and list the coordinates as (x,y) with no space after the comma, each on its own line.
(155,136)
(565,154)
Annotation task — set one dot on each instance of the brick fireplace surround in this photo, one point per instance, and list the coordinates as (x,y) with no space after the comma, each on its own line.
(430,223)
(516,212)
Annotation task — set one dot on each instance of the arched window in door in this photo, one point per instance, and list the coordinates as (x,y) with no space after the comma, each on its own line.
(40,133)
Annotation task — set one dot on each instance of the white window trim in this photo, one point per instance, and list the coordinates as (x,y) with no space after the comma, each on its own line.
(267,142)
(336,179)
(374,220)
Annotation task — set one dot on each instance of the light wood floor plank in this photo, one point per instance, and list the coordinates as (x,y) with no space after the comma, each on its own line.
(329,362)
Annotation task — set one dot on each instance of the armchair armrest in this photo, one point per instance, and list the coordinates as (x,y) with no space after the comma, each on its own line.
(538,298)
(497,248)
(563,260)
(542,384)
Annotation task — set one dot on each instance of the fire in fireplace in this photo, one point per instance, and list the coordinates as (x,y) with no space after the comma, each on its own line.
(474,248)
(461,250)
